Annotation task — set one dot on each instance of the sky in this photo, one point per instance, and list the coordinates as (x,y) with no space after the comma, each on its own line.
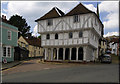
(32,10)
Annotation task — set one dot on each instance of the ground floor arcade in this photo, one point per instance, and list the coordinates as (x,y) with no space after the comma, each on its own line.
(84,53)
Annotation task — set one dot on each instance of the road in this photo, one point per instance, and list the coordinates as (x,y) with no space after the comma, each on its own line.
(101,73)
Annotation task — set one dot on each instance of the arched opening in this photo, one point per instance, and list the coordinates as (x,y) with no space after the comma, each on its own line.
(73,57)
(67,53)
(54,53)
(61,53)
(49,54)
(56,36)
(80,53)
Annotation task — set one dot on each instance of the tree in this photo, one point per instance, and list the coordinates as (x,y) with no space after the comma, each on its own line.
(21,23)
(39,37)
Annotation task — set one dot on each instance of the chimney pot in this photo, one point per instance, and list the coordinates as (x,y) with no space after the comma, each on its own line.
(4,17)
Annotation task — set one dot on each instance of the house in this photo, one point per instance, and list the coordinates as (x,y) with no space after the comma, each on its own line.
(103,46)
(114,46)
(73,36)
(9,36)
(32,44)
(21,53)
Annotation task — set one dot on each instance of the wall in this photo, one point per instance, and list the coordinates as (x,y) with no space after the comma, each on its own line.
(63,39)
(14,35)
(10,59)
(66,24)
(4,39)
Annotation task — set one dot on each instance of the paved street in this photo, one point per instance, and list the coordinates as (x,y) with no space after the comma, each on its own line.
(63,73)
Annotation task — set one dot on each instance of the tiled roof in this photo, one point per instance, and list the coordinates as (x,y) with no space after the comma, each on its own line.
(115,40)
(55,12)
(79,9)
(33,41)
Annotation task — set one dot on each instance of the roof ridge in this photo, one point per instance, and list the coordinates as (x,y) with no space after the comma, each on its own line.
(81,9)
(57,11)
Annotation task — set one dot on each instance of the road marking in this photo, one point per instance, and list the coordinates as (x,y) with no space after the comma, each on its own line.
(46,68)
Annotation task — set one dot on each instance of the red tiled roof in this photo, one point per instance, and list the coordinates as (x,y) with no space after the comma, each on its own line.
(116,40)
(33,41)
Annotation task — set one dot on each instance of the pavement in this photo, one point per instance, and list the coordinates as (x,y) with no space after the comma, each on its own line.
(6,66)
(37,65)
(10,65)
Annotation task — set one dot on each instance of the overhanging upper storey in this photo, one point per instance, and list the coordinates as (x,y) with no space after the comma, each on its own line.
(78,18)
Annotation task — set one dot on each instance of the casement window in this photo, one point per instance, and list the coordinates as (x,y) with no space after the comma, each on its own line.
(4,51)
(9,35)
(70,35)
(75,18)
(23,44)
(26,46)
(48,36)
(56,36)
(7,51)
(50,22)
(80,34)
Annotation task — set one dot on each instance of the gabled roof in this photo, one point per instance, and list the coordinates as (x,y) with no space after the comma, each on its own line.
(115,40)
(79,9)
(55,12)
(33,41)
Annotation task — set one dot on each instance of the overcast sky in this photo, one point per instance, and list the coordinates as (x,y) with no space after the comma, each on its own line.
(32,10)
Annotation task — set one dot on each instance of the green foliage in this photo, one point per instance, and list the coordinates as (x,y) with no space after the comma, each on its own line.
(39,37)
(21,23)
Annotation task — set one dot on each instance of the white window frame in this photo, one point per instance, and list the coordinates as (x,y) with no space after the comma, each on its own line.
(7,51)
(8,35)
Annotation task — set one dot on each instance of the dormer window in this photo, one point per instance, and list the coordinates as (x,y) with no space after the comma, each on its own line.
(56,36)
(75,18)
(49,22)
(48,36)
(70,35)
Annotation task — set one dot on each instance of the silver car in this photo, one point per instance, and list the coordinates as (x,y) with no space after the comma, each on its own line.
(106,58)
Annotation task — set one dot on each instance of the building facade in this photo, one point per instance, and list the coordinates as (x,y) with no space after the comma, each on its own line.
(9,36)
(73,36)
(114,46)
(33,45)
(103,46)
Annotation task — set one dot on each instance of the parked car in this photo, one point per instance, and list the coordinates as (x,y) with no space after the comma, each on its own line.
(106,58)
(108,52)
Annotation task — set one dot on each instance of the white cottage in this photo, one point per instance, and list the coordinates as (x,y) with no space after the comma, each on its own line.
(73,36)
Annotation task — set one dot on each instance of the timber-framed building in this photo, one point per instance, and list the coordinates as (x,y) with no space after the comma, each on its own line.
(73,36)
